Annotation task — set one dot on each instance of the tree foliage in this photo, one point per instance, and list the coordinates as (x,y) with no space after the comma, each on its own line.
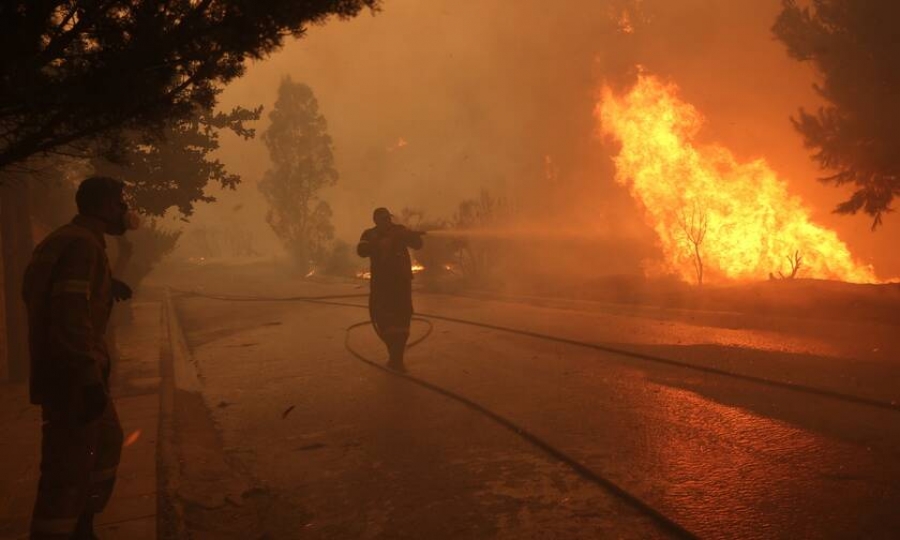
(173,165)
(302,165)
(75,71)
(856,136)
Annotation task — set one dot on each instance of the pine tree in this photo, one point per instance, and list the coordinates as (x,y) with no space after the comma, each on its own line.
(854,48)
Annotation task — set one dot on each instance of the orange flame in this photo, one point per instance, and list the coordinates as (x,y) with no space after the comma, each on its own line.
(399,145)
(752,227)
(624,23)
(367,274)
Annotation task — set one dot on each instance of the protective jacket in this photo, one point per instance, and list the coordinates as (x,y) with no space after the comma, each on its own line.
(388,250)
(68,294)
(390,290)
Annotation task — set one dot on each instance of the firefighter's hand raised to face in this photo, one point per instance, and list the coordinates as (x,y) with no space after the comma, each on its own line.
(121,291)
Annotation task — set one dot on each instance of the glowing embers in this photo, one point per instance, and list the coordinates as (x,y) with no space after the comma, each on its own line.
(132,438)
(715,217)
(366,274)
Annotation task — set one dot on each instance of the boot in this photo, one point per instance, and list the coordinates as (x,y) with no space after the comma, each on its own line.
(395,360)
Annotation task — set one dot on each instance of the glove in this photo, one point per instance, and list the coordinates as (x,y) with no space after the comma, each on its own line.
(93,402)
(120,290)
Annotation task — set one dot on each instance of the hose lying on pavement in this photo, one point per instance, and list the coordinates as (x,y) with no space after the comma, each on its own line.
(661,520)
(665,523)
(251,298)
(795,387)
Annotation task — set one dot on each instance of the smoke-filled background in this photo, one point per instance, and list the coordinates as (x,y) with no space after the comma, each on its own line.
(429,103)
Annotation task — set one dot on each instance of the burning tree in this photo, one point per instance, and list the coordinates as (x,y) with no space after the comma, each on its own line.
(754,215)
(694,227)
(853,45)
(302,164)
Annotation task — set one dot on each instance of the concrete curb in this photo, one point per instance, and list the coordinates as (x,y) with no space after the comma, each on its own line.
(205,497)
(171,521)
(185,369)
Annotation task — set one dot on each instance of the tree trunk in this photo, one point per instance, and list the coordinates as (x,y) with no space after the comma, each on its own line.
(699,264)
(17,244)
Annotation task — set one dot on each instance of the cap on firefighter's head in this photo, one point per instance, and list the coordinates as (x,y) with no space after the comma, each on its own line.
(382,215)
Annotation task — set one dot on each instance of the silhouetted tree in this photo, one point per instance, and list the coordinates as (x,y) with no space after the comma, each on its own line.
(341,260)
(796,262)
(76,71)
(474,253)
(856,137)
(693,225)
(168,167)
(173,165)
(412,218)
(302,164)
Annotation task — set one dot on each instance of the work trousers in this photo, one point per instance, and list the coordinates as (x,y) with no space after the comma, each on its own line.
(390,305)
(78,469)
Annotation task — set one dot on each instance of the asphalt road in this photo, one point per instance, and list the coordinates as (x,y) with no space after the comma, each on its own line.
(344,450)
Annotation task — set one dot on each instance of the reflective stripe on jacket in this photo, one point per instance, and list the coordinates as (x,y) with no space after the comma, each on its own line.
(68,293)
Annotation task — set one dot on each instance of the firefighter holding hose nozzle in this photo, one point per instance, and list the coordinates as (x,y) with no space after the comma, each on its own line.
(386,245)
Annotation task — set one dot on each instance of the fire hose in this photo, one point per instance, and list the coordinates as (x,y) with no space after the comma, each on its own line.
(796,387)
(661,520)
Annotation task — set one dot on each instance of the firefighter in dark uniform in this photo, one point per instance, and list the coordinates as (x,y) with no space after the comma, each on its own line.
(390,291)
(69,294)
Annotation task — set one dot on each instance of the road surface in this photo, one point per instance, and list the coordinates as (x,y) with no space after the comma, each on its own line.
(331,447)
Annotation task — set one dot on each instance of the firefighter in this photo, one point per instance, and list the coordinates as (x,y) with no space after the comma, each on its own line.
(390,291)
(69,293)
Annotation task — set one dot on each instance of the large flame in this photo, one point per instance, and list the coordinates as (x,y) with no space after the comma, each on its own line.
(753,227)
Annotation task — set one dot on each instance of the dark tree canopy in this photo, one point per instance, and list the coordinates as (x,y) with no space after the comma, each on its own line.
(172,166)
(855,49)
(75,71)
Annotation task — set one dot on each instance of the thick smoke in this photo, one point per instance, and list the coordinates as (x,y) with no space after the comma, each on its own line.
(431,102)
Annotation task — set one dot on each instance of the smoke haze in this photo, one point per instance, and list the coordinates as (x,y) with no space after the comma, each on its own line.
(428,103)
